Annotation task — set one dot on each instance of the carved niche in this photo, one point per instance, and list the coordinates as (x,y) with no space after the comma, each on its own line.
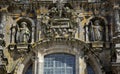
(23,31)
(96,29)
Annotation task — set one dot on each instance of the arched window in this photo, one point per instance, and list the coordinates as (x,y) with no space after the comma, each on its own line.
(59,64)
(90,69)
(29,70)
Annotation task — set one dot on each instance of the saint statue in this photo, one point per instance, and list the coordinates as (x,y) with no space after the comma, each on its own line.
(117,20)
(97,31)
(23,33)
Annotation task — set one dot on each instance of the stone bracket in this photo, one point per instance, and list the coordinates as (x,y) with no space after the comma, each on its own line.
(19,47)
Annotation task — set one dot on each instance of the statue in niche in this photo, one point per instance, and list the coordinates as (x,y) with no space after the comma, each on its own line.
(23,33)
(96,31)
(45,24)
(13,32)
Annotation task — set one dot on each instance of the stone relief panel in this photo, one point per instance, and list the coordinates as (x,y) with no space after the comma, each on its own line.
(59,28)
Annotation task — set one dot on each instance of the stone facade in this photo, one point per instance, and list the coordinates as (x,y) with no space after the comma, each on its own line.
(33,29)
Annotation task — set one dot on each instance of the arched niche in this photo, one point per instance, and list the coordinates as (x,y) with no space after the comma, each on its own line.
(29,28)
(96,29)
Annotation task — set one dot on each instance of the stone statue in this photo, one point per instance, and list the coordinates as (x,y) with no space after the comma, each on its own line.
(117,20)
(67,12)
(23,33)
(97,31)
(45,19)
(45,24)
(60,5)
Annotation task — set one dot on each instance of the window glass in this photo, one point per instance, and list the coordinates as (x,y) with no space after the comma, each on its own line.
(90,69)
(29,70)
(59,64)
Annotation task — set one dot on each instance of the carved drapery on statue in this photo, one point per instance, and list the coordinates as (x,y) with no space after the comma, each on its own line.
(96,30)
(23,32)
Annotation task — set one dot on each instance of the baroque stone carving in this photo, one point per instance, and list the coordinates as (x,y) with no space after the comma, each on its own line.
(59,28)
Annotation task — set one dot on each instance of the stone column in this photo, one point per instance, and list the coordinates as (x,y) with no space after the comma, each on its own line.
(111,27)
(33,34)
(35,67)
(3,60)
(82,65)
(116,38)
(107,38)
(117,19)
(85,33)
(77,64)
(37,30)
(80,29)
(40,63)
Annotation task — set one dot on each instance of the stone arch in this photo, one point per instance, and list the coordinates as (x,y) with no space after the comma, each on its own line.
(26,18)
(101,17)
(68,46)
(23,63)
(28,64)
(51,45)
(95,64)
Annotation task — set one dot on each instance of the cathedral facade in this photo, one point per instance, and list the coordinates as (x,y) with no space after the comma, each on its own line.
(59,37)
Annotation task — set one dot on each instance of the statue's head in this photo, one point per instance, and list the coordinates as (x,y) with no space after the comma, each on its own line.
(97,22)
(23,24)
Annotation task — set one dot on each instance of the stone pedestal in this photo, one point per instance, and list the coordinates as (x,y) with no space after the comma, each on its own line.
(35,67)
